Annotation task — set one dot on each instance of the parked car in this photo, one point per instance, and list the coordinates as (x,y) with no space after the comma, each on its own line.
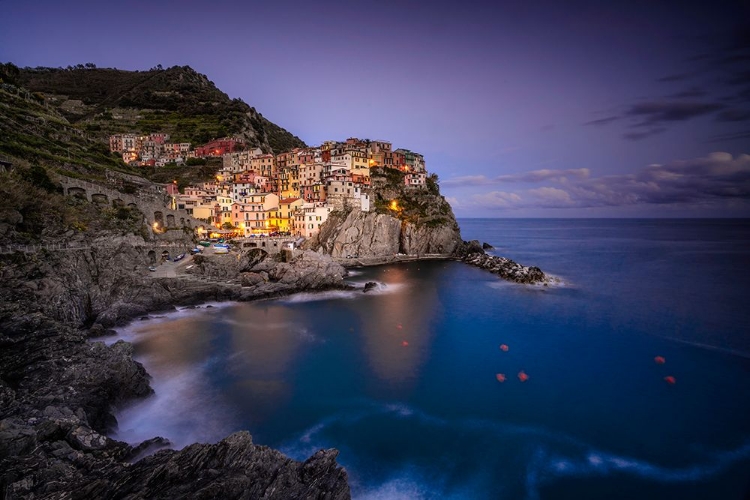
(179,257)
(151,268)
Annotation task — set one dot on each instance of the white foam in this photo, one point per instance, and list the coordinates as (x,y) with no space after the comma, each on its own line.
(181,409)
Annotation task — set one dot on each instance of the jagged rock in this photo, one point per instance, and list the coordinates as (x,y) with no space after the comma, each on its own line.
(370,234)
(487,246)
(15,439)
(85,439)
(370,285)
(251,279)
(506,268)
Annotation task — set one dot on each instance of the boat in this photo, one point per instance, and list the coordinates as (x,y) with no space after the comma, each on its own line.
(205,244)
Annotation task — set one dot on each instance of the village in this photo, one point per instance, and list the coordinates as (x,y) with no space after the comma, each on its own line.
(258,194)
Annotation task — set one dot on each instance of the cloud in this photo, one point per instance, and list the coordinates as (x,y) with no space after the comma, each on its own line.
(655,112)
(602,121)
(636,136)
(733,115)
(532,176)
(675,78)
(718,179)
(730,137)
(691,92)
(496,199)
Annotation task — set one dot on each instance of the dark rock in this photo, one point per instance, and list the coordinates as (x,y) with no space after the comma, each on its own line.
(467,248)
(487,246)
(15,439)
(506,268)
(370,285)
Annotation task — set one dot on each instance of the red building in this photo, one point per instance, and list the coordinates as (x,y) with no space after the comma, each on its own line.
(218,147)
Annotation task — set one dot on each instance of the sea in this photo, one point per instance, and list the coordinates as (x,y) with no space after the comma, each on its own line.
(629,378)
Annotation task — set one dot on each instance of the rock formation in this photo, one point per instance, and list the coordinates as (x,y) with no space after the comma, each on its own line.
(472,252)
(57,389)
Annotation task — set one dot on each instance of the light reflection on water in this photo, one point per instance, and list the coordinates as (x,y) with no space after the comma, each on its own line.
(403,381)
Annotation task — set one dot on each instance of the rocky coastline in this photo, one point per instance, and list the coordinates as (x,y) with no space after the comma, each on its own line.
(58,389)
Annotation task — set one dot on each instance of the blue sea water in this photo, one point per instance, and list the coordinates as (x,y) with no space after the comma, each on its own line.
(404,381)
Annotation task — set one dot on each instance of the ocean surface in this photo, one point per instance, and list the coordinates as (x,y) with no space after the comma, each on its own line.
(404,381)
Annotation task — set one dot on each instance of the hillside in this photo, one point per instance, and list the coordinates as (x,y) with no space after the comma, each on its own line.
(176,100)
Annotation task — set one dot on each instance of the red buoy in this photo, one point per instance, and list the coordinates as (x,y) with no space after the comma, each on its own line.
(500,377)
(659,360)
(522,376)
(504,347)
(670,379)
(399,326)
(404,343)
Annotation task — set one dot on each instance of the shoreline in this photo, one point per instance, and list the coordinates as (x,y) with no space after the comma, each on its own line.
(84,374)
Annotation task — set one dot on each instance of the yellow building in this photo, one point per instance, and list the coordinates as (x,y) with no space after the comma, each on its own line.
(282,218)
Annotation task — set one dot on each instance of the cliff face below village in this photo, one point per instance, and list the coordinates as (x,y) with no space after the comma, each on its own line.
(402,219)
(371,234)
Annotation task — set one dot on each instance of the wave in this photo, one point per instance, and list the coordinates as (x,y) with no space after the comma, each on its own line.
(182,409)
(546,456)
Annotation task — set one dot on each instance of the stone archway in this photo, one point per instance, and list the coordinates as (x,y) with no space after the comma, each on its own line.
(99,199)
(151,257)
(132,205)
(117,203)
(182,221)
(77,192)
(170,220)
(159,217)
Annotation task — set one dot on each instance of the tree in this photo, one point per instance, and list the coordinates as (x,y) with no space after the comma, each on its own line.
(227,225)
(38,176)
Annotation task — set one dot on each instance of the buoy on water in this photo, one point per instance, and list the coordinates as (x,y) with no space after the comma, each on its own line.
(670,379)
(500,377)
(659,360)
(522,376)
(404,343)
(504,347)
(399,326)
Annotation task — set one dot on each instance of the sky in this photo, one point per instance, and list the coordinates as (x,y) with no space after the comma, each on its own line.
(522,108)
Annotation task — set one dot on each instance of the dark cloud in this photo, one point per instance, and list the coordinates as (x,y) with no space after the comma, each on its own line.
(671,111)
(716,180)
(733,115)
(730,137)
(675,78)
(637,136)
(691,92)
(603,121)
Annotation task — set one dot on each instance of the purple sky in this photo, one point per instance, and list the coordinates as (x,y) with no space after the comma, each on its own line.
(524,109)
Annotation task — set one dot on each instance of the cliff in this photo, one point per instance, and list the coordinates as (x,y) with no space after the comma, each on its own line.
(58,389)
(406,220)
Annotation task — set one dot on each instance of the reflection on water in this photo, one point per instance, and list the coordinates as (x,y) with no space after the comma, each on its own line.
(403,381)
(397,328)
(266,341)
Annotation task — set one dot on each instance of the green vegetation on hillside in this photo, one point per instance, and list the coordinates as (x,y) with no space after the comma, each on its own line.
(34,132)
(417,206)
(178,101)
(32,209)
